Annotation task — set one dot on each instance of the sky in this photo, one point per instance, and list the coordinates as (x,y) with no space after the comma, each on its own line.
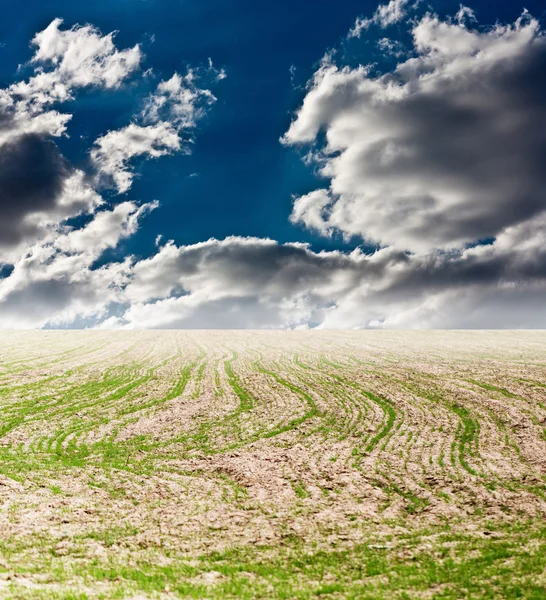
(173,164)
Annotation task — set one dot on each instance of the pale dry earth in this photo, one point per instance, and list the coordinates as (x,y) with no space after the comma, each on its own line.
(152,450)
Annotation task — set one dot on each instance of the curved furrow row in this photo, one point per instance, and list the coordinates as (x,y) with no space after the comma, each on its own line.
(160,445)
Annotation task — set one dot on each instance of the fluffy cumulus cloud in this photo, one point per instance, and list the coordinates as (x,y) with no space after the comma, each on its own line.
(426,161)
(446,150)
(75,58)
(170,113)
(57,281)
(64,61)
(114,151)
(39,188)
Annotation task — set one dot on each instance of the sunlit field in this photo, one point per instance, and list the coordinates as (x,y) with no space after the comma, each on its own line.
(273,464)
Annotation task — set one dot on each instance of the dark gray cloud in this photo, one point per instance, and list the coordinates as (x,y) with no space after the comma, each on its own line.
(33,174)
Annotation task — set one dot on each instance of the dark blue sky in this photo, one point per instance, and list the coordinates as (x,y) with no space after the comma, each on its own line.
(244,178)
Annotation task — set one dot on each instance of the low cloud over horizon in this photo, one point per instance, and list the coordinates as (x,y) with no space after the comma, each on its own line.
(437,161)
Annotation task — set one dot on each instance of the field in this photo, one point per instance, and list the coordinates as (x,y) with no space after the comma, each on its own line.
(272,464)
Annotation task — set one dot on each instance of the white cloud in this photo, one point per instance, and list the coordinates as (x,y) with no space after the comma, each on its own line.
(465,13)
(16,120)
(256,283)
(173,109)
(54,279)
(105,230)
(113,151)
(54,282)
(178,101)
(391,47)
(81,57)
(385,15)
(64,61)
(311,209)
(446,150)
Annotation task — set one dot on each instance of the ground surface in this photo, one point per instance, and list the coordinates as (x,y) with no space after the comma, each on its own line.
(273,465)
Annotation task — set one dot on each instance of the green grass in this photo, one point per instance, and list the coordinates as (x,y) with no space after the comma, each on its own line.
(349,464)
(447,565)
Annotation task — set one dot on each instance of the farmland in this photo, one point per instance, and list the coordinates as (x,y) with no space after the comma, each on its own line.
(237,464)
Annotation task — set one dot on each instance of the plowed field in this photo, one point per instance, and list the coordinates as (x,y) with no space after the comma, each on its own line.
(272,464)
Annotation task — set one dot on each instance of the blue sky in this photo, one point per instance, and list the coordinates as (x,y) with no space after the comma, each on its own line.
(244,179)
(238,180)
